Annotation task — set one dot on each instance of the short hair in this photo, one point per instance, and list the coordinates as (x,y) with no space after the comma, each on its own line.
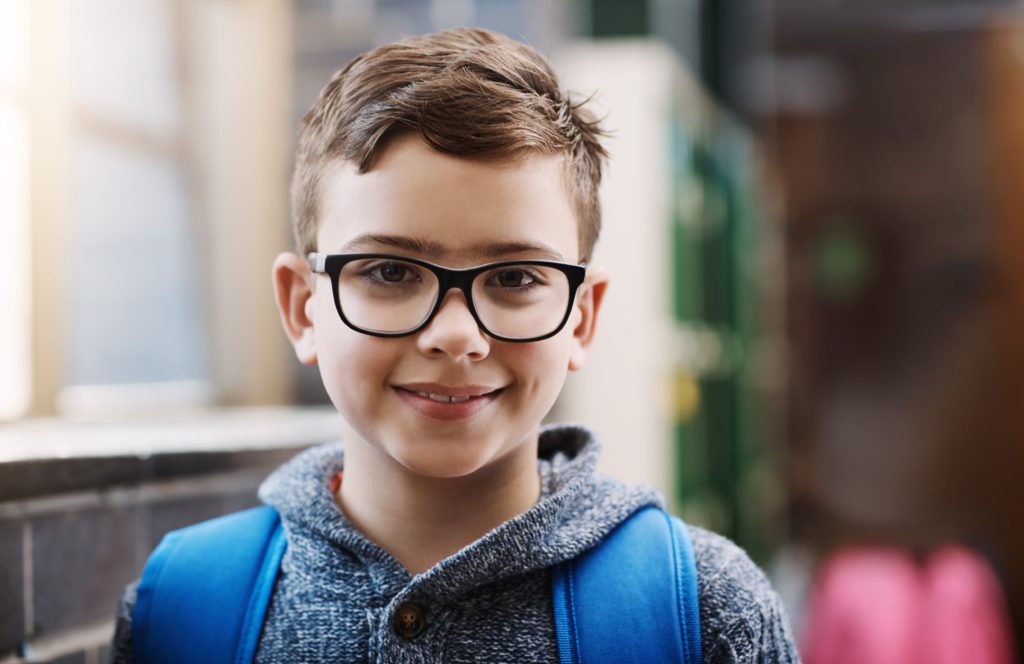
(467,92)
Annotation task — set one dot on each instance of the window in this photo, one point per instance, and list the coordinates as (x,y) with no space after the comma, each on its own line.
(134,298)
(139,140)
(15,379)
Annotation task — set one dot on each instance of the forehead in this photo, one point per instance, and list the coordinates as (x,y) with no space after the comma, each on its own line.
(448,208)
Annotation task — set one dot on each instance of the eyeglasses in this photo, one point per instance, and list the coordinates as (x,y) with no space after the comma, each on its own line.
(394,296)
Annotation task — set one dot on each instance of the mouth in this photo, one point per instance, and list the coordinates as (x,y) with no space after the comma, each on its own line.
(448,393)
(441,398)
(447,402)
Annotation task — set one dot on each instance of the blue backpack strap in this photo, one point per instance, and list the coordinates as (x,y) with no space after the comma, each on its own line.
(632,598)
(205,590)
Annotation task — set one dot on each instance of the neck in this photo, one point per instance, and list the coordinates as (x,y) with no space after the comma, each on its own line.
(422,520)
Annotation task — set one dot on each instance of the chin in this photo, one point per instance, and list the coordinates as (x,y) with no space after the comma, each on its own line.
(445,458)
(442,466)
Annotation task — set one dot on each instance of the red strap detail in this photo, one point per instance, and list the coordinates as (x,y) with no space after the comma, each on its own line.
(336,482)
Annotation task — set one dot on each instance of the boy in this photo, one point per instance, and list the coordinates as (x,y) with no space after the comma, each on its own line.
(420,162)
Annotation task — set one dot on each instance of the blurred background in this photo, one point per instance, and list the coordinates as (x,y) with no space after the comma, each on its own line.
(811,344)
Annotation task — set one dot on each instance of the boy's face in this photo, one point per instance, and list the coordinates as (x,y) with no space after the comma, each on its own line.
(456,212)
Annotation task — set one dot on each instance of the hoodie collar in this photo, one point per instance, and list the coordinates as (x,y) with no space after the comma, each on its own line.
(577,508)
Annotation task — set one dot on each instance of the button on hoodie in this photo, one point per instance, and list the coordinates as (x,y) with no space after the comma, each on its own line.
(409,620)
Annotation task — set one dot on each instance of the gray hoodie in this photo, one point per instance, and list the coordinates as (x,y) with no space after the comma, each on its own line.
(338,593)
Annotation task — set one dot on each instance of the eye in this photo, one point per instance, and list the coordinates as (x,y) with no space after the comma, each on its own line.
(513,278)
(392,272)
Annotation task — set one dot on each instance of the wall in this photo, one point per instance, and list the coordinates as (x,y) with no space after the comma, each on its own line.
(76,527)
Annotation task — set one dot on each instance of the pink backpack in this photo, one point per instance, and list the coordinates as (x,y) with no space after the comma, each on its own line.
(885,607)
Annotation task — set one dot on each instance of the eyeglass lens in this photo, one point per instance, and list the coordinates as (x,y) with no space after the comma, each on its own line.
(513,301)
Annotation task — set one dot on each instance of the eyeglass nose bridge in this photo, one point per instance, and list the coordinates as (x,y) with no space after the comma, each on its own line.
(448,279)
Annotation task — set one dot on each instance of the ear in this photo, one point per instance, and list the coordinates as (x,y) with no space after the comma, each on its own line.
(293,292)
(588,305)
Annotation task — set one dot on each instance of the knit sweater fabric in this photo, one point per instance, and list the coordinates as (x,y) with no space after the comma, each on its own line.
(337,592)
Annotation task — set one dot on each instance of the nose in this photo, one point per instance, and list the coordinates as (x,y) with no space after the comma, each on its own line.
(454,332)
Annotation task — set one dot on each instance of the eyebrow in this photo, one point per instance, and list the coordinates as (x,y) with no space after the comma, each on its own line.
(434,249)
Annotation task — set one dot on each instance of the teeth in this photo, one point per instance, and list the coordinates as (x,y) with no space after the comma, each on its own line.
(442,398)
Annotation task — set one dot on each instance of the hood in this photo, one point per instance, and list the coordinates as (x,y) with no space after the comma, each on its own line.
(576,510)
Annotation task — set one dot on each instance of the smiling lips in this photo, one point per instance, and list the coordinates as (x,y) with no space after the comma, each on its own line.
(442,398)
(444,402)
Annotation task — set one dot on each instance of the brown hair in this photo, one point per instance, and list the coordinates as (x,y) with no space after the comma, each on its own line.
(467,92)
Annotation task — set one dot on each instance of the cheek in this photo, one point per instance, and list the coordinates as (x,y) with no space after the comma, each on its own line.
(352,365)
(338,346)
(541,366)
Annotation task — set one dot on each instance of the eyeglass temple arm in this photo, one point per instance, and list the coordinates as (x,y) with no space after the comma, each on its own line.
(317,261)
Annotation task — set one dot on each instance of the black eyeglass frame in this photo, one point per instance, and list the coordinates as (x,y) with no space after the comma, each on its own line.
(447,279)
